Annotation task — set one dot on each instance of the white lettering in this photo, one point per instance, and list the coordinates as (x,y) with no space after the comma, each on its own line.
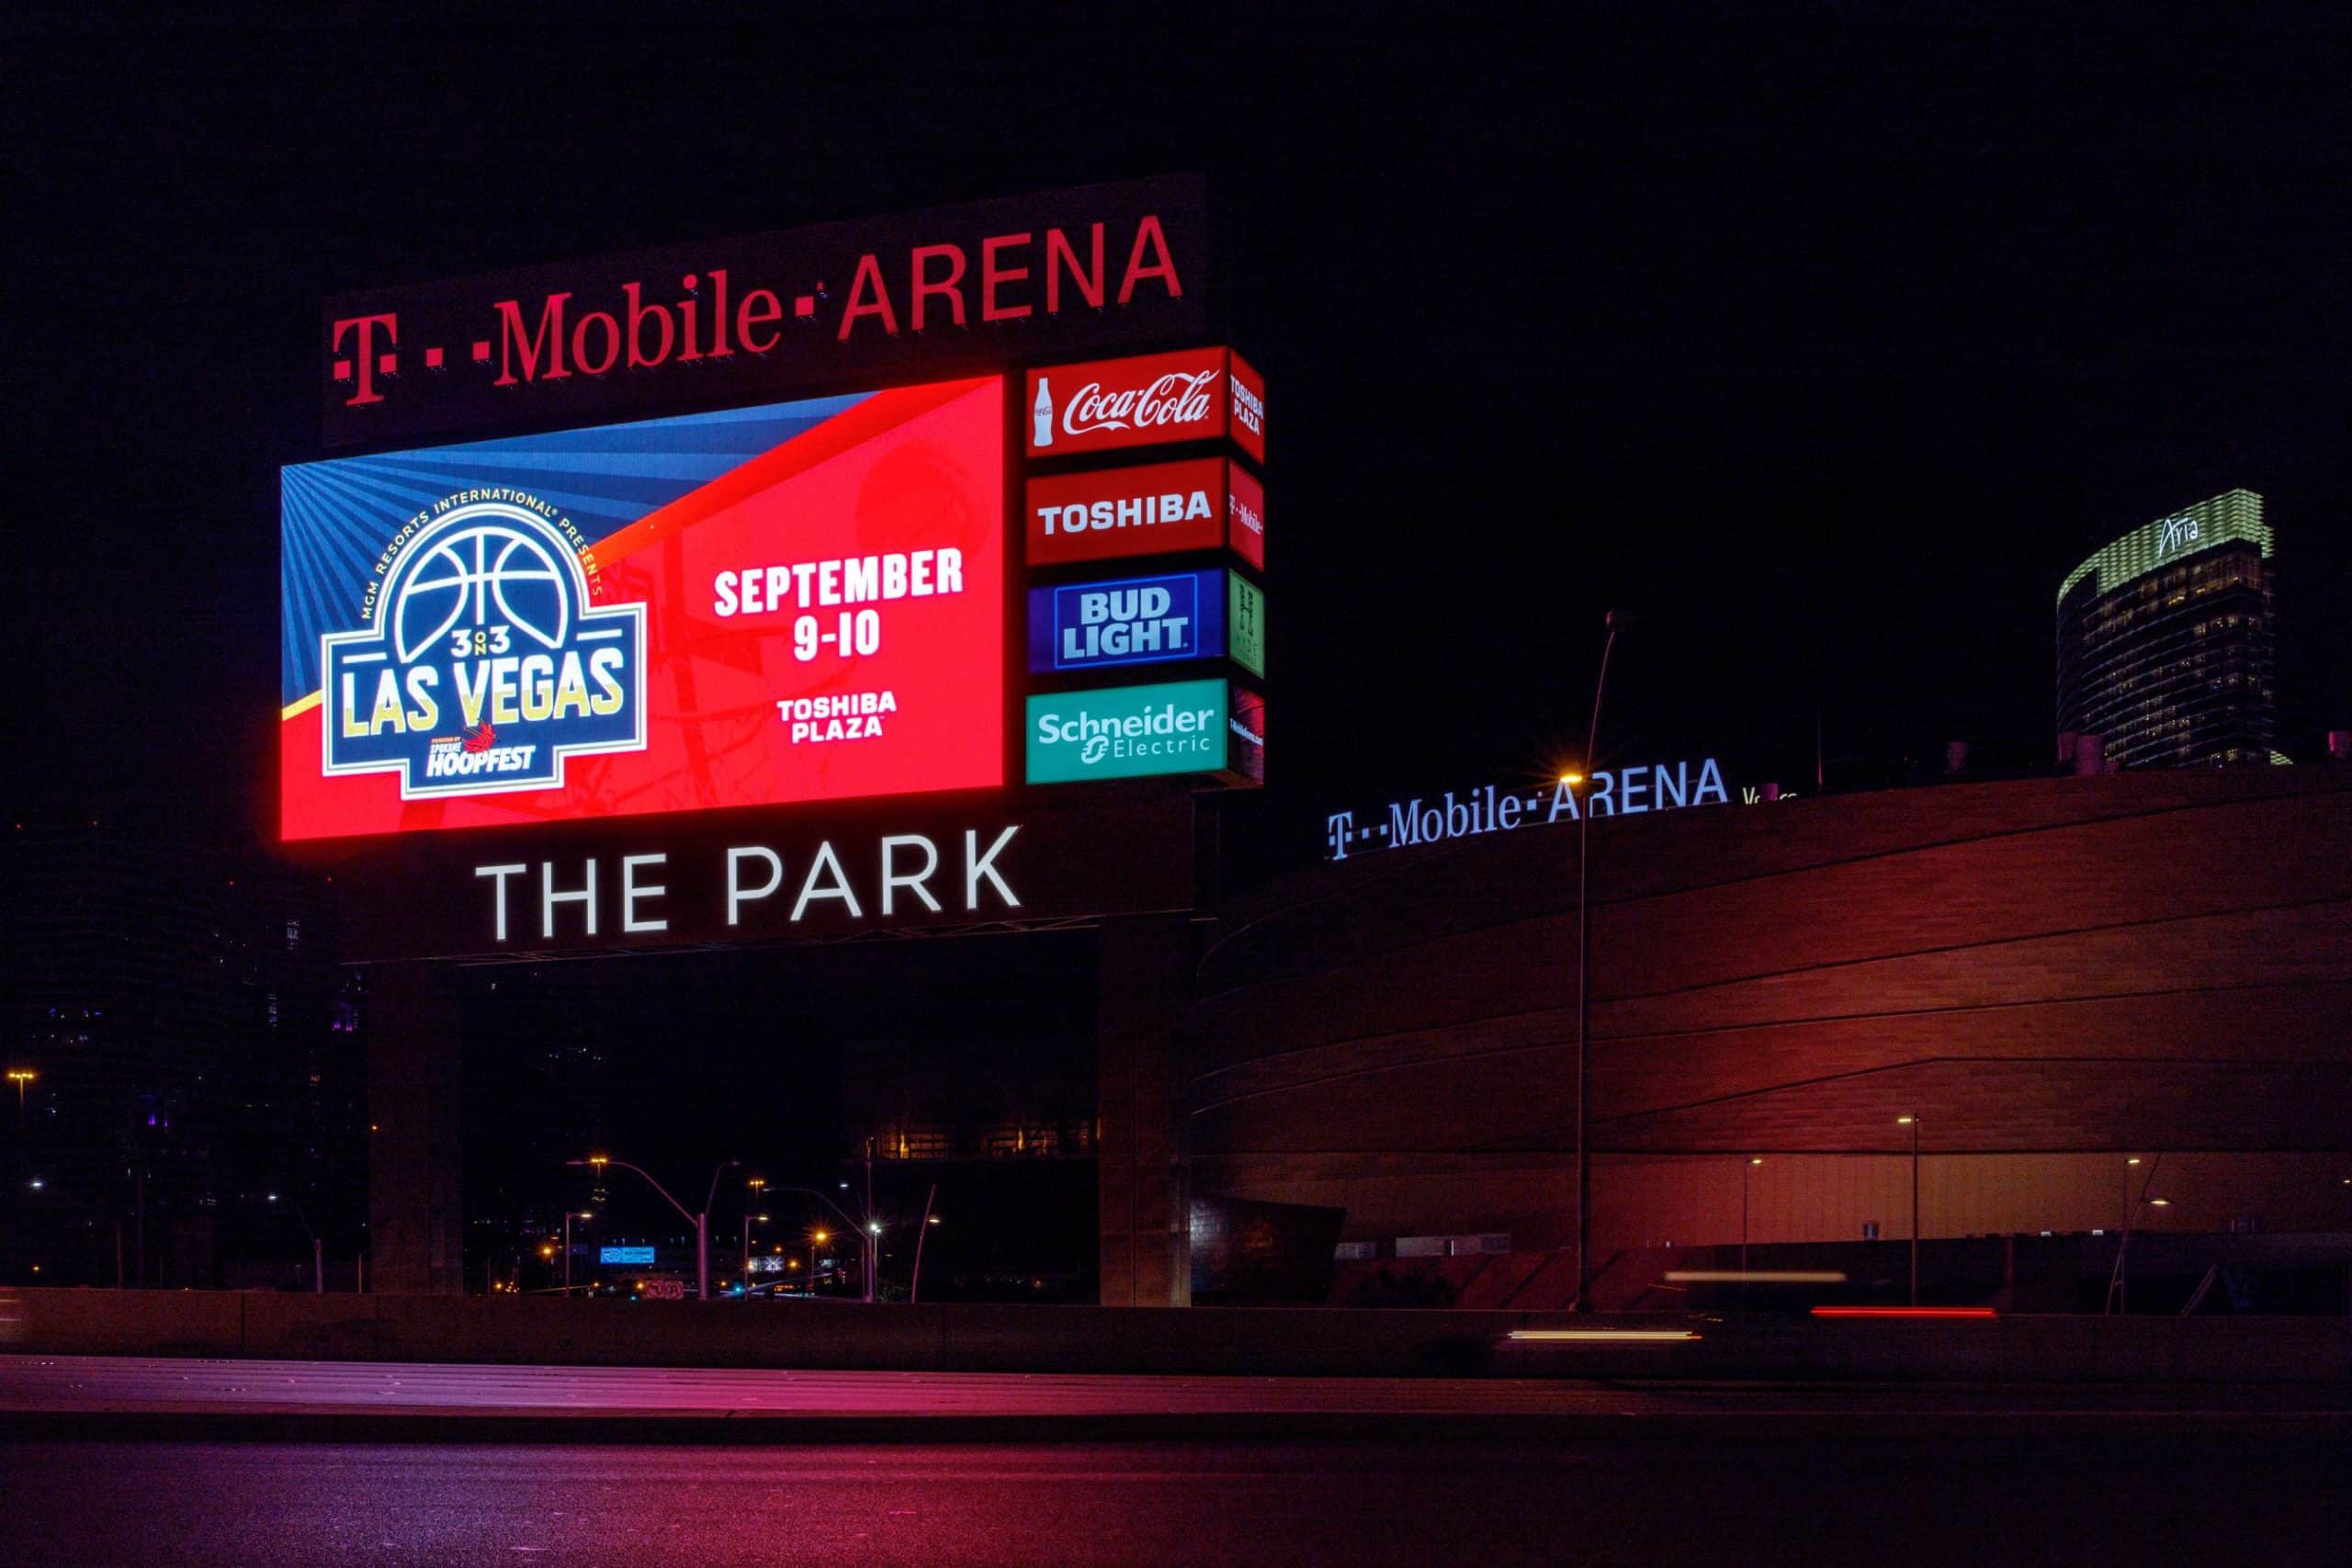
(631,893)
(499,873)
(737,894)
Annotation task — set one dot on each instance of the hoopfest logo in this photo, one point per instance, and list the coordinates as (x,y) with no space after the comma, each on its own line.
(485,665)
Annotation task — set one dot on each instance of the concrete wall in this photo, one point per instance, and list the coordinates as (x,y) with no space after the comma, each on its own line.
(2052,975)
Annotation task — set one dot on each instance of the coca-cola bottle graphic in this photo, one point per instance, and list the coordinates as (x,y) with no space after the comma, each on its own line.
(1043,435)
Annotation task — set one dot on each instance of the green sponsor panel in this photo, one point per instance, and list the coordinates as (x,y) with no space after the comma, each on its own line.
(1126,732)
(1245,623)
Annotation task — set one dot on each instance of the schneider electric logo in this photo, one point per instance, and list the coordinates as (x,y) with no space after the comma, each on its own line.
(1130,732)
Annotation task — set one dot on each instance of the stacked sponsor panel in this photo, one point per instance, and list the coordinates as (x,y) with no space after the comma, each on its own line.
(1150,567)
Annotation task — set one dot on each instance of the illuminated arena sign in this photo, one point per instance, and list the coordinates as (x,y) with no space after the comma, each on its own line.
(1623,791)
(795,601)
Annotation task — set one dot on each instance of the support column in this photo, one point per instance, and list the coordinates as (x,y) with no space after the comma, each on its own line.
(415,1223)
(1144,1221)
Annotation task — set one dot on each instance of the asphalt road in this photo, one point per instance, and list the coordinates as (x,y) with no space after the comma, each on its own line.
(1937,1498)
(126,1395)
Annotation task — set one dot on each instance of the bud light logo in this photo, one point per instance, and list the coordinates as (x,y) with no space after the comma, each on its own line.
(486,665)
(1138,620)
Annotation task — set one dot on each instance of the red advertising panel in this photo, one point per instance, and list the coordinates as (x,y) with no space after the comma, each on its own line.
(795,601)
(1194,394)
(1245,516)
(1202,503)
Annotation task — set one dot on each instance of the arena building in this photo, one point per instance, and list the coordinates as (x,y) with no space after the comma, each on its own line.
(2090,994)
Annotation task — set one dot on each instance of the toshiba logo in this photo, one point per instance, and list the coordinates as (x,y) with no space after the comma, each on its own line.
(1126,512)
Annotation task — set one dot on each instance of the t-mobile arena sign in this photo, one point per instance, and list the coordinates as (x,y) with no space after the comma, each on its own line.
(1624,792)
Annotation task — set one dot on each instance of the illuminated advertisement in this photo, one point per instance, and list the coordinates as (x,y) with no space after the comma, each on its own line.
(1245,623)
(1179,727)
(797,601)
(624,1255)
(1194,394)
(1134,620)
(1203,503)
(876,301)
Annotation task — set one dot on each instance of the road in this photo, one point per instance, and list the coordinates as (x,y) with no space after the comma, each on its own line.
(434,1400)
(1938,1498)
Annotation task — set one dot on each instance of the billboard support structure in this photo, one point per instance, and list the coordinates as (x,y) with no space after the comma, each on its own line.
(739,673)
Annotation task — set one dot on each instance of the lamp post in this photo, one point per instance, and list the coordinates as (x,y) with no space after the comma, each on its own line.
(868,1234)
(1614,622)
(748,1218)
(20,1076)
(756,1185)
(816,1239)
(1912,1123)
(1747,1166)
(701,1222)
(2115,1288)
(914,1281)
(568,1217)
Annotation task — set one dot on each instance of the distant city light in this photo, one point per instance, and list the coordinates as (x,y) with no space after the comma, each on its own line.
(1602,1336)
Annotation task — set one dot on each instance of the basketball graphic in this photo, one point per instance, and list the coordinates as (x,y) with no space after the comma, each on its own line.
(501,566)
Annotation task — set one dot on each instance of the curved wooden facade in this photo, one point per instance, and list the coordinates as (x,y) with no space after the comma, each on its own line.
(2054,976)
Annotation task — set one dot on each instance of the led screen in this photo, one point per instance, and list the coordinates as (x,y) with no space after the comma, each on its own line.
(797,601)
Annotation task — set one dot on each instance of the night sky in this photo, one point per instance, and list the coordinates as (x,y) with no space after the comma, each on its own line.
(1829,349)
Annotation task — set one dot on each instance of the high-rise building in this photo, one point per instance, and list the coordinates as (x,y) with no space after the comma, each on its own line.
(2167,642)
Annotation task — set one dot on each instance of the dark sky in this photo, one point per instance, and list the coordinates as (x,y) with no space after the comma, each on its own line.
(1829,348)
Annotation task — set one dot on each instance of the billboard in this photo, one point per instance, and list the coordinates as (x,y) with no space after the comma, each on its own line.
(1176,726)
(793,601)
(951,291)
(643,1255)
(1202,503)
(1194,394)
(1165,619)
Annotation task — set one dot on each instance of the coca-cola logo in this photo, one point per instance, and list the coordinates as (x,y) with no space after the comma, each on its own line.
(1172,399)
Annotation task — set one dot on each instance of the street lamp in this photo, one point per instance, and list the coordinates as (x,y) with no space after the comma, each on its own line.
(1912,1123)
(568,1215)
(1750,1165)
(748,1218)
(866,1234)
(1614,621)
(20,1076)
(701,1222)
